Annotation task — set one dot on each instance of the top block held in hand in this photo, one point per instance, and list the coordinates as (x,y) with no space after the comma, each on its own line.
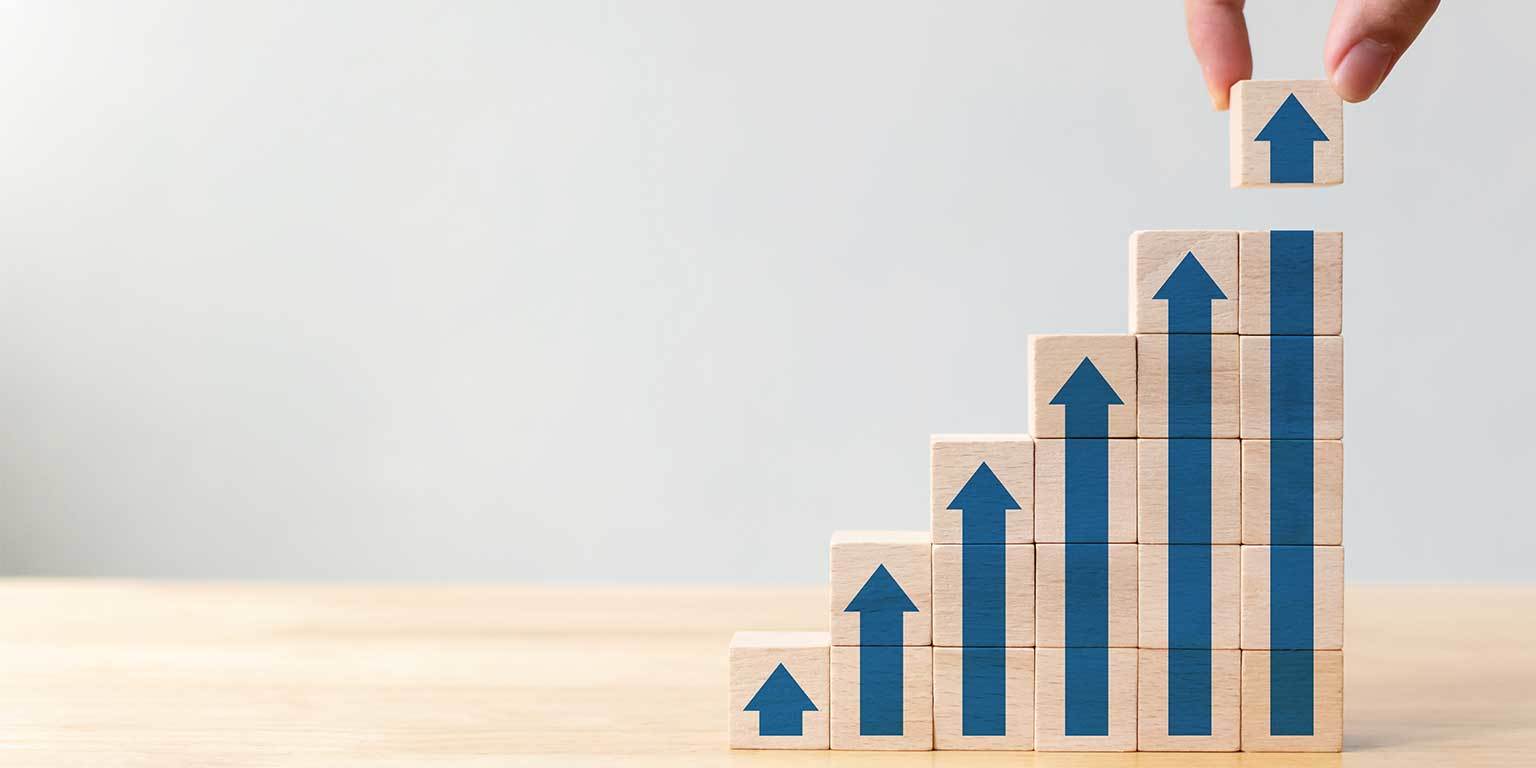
(1286,133)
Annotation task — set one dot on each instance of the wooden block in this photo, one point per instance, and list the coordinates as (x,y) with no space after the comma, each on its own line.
(1262,577)
(893,720)
(1223,603)
(1211,276)
(1325,515)
(1170,405)
(1201,723)
(1051,578)
(1101,371)
(1286,133)
(990,474)
(1305,270)
(1278,721)
(1013,600)
(885,572)
(1093,729)
(1051,490)
(1324,400)
(780,690)
(1153,494)
(1001,717)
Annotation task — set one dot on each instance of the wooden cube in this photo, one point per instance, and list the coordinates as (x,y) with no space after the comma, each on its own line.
(1189,700)
(1091,375)
(1286,709)
(882,697)
(1195,395)
(1115,524)
(1190,273)
(1306,401)
(1291,282)
(780,690)
(1310,496)
(1088,570)
(1160,565)
(1002,582)
(982,489)
(1304,583)
(1085,699)
(882,587)
(1155,492)
(1286,133)
(998,709)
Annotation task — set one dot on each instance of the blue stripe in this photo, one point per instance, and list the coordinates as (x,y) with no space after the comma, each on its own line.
(984,683)
(1189,692)
(1087,672)
(984,687)
(1290,282)
(881,678)
(1290,693)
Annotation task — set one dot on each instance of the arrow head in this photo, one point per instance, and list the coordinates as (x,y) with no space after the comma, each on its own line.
(983,492)
(1292,124)
(881,594)
(780,693)
(1189,280)
(1086,386)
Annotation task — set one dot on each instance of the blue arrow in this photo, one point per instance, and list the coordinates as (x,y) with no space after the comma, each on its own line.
(882,606)
(984,502)
(780,704)
(1290,133)
(1087,397)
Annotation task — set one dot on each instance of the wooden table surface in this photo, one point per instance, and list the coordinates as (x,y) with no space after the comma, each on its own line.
(163,674)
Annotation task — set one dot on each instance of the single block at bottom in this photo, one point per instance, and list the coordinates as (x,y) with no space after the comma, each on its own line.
(882,697)
(983,698)
(1188,700)
(1293,701)
(1085,700)
(779,690)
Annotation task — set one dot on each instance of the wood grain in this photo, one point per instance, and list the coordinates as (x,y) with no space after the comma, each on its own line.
(907,555)
(1053,359)
(1051,595)
(1327,388)
(1051,705)
(1018,593)
(953,459)
(1152,492)
(1152,386)
(1327,706)
(1254,102)
(1327,597)
(1152,705)
(1327,283)
(917,702)
(1018,708)
(1154,255)
(1327,492)
(1051,491)
(1152,597)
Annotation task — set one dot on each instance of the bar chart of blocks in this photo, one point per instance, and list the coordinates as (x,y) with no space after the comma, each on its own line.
(1158,565)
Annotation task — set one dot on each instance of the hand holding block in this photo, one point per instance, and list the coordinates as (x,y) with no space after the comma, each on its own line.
(1293,387)
(1085,699)
(1085,595)
(982,489)
(1291,283)
(1157,490)
(984,595)
(780,690)
(1293,701)
(983,698)
(1187,386)
(882,697)
(1184,281)
(882,585)
(1293,598)
(1173,715)
(1082,385)
(1286,132)
(1308,510)
(1106,511)
(1207,610)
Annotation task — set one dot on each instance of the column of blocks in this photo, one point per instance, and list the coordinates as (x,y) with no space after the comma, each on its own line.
(1286,132)
(780,690)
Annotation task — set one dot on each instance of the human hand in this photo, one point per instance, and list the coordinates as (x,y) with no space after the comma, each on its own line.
(1365,39)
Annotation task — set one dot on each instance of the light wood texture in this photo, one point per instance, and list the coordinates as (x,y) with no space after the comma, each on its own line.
(1152,388)
(1050,704)
(1051,491)
(1053,359)
(1327,388)
(1152,492)
(917,702)
(1051,595)
(1327,597)
(1018,593)
(1327,710)
(1155,253)
(1152,705)
(954,459)
(1152,600)
(1018,708)
(907,555)
(1254,102)
(1327,492)
(806,657)
(1327,283)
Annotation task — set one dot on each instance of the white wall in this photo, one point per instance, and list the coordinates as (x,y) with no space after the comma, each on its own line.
(668,291)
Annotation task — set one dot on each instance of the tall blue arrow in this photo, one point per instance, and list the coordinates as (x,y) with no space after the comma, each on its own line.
(984,503)
(780,705)
(1291,133)
(1189,292)
(882,606)
(1087,397)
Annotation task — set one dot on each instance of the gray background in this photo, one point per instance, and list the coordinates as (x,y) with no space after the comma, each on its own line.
(669,291)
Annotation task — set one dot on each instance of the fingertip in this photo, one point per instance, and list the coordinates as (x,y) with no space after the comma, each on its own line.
(1362,69)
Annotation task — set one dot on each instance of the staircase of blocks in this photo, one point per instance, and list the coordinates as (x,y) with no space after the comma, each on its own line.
(1159,565)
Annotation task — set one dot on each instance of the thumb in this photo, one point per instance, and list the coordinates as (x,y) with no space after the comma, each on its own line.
(1365,40)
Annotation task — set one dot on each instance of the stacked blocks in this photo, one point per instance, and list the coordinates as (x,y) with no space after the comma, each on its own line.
(1160,566)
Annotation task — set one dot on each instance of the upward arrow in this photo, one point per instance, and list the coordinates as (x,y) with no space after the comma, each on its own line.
(882,606)
(1087,397)
(1291,133)
(780,704)
(1189,291)
(984,501)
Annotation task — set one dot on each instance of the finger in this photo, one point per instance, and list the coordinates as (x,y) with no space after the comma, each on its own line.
(1366,39)
(1219,36)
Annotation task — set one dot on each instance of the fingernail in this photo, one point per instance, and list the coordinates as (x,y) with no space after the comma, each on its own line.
(1361,70)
